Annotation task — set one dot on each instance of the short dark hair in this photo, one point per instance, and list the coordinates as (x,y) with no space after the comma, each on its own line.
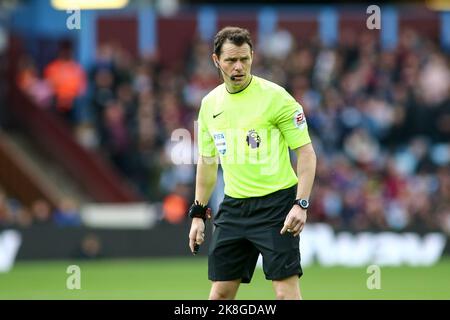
(236,35)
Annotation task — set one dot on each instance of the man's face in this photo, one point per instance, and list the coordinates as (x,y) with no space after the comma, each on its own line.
(236,61)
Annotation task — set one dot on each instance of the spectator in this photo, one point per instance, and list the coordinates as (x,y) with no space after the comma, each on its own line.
(68,80)
(90,248)
(41,212)
(115,136)
(6,214)
(29,81)
(174,208)
(67,213)
(23,217)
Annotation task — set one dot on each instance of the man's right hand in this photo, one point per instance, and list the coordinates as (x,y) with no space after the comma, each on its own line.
(197,233)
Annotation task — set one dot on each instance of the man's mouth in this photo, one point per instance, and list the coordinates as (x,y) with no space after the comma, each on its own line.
(238,76)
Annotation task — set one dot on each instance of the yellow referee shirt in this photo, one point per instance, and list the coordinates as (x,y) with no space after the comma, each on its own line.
(251,131)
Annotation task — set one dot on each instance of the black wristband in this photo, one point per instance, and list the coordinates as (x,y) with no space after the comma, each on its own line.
(199,211)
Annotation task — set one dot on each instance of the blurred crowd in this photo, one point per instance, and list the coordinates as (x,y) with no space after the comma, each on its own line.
(40,212)
(379,120)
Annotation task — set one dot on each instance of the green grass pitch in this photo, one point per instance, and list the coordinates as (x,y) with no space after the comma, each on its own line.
(186,278)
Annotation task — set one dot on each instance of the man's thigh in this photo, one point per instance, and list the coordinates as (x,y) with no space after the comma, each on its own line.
(231,256)
(281,254)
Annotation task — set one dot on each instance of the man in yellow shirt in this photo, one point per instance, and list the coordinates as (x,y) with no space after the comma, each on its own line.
(250,123)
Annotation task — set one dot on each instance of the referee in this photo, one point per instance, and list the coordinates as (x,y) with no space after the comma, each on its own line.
(249,124)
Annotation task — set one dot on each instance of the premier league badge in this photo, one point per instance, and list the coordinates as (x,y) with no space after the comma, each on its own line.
(253,139)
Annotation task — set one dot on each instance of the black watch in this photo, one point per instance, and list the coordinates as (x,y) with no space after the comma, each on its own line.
(303,203)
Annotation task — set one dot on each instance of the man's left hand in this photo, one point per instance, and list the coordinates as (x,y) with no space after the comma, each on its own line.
(295,221)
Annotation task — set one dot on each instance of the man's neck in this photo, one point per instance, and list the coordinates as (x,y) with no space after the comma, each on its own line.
(232,89)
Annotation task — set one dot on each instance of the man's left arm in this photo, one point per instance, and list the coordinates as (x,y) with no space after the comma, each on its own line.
(306,170)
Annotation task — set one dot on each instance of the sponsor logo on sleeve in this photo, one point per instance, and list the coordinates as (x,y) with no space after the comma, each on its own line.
(299,119)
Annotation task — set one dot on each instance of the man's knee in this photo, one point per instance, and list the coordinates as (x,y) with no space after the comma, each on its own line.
(287,295)
(287,289)
(220,295)
(224,290)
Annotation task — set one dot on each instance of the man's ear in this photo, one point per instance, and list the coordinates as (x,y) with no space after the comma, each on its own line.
(215,59)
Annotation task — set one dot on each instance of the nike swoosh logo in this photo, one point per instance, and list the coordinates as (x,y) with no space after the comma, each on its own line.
(216,115)
(287,266)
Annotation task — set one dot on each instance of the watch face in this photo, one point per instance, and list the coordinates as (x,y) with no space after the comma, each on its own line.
(304,203)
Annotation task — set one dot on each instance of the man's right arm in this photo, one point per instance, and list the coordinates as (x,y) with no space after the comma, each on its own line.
(206,178)
(204,186)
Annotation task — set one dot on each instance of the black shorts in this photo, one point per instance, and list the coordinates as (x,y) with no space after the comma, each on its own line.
(244,228)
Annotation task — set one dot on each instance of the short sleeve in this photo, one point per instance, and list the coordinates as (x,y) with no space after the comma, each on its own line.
(206,146)
(291,121)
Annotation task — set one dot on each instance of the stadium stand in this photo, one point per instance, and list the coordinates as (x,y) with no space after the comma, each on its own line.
(379,118)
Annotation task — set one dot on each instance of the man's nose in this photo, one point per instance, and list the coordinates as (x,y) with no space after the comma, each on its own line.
(238,66)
